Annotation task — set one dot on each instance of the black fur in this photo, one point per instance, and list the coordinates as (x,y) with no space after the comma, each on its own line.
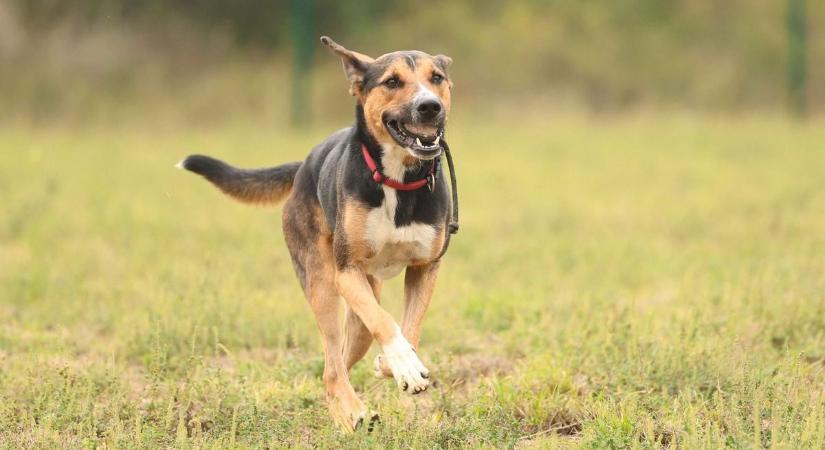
(249,185)
(335,171)
(336,168)
(372,76)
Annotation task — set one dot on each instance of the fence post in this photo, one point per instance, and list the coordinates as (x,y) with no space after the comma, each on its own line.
(797,92)
(302,30)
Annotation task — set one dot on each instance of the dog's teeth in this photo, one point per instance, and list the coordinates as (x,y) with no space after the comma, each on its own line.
(418,141)
(437,139)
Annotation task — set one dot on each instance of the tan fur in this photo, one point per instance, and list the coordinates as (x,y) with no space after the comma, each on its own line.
(353,284)
(358,337)
(258,194)
(355,223)
(340,262)
(256,186)
(331,263)
(379,100)
(419,283)
(345,406)
(438,243)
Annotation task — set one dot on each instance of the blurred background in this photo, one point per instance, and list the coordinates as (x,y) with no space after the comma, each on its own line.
(640,262)
(209,61)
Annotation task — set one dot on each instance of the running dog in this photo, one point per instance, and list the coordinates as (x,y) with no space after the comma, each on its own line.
(365,204)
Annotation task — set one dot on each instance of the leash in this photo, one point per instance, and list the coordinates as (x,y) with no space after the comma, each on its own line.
(451,225)
(452,220)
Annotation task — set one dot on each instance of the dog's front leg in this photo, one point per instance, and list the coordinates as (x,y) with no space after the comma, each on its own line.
(419,283)
(399,354)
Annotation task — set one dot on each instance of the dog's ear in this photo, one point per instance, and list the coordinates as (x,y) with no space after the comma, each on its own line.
(444,61)
(355,64)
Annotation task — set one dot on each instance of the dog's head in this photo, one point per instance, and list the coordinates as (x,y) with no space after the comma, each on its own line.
(405,96)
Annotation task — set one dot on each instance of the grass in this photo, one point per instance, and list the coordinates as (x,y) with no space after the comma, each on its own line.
(642,283)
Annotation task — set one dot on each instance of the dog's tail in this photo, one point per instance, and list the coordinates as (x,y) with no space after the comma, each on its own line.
(262,186)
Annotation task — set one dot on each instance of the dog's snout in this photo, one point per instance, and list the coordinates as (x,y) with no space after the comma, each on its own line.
(429,109)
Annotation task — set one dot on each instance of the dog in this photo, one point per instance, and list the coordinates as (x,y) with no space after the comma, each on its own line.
(365,204)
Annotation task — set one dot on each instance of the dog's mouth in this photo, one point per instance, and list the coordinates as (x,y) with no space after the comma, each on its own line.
(422,141)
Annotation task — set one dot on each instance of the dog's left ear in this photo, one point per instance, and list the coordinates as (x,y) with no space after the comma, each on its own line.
(444,61)
(355,64)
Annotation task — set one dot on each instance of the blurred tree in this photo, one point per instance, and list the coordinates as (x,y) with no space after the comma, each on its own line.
(796,56)
(607,55)
(302,30)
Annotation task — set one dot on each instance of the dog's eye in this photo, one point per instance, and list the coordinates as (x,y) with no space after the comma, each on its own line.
(392,82)
(437,78)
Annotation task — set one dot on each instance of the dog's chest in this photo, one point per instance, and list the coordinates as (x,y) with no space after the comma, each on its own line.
(394,247)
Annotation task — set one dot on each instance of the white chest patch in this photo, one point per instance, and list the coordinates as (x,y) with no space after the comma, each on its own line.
(395,247)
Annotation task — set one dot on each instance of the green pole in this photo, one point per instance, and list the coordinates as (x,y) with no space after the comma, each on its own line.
(302,28)
(796,57)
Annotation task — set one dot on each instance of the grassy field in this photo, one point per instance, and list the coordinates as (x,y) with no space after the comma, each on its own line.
(642,283)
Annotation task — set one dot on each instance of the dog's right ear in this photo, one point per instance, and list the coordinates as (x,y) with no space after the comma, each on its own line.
(355,64)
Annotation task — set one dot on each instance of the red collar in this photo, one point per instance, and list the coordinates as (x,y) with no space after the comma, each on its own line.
(379,178)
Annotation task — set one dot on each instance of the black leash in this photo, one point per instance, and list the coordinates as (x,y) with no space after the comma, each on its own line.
(452,220)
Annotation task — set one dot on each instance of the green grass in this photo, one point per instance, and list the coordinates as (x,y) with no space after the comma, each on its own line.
(643,283)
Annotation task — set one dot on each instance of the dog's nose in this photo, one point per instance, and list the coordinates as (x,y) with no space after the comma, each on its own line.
(428,109)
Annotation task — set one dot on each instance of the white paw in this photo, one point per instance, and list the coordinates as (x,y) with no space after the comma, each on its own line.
(408,371)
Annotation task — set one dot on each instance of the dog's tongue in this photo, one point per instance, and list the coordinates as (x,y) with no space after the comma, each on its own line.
(428,132)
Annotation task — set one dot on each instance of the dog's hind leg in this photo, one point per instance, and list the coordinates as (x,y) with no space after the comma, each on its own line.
(311,252)
(358,338)
(344,405)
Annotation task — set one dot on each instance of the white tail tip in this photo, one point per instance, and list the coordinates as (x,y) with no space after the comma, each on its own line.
(179,165)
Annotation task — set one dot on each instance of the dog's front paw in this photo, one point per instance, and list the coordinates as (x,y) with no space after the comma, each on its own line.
(380,367)
(400,361)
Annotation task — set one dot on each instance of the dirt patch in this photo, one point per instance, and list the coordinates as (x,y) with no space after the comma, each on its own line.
(459,370)
(563,423)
